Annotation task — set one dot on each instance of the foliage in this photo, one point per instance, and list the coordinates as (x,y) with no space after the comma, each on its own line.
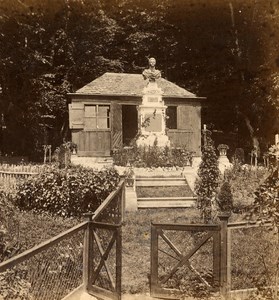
(66,192)
(238,157)
(152,156)
(51,50)
(8,244)
(244,180)
(13,286)
(225,198)
(266,204)
(208,179)
(62,154)
(266,208)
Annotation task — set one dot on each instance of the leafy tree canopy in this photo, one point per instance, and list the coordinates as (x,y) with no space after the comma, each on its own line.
(224,50)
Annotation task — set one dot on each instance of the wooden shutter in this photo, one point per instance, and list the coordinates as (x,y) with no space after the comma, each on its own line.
(76,115)
(116,126)
(184,117)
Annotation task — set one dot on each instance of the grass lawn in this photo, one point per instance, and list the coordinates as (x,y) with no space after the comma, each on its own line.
(27,229)
(164,191)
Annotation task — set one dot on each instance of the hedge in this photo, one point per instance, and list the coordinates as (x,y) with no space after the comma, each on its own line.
(67,192)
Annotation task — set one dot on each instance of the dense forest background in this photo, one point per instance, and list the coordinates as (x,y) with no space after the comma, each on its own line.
(225,50)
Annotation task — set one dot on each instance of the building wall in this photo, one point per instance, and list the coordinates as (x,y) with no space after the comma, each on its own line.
(188,132)
(100,142)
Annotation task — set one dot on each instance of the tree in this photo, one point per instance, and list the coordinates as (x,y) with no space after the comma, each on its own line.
(208,179)
(224,50)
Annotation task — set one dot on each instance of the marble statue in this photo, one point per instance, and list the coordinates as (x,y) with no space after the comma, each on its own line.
(151,74)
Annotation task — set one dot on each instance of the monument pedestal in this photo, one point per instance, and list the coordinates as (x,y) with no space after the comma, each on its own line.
(224,163)
(152,114)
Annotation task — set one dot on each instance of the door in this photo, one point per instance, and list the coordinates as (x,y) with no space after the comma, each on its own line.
(95,139)
(130,123)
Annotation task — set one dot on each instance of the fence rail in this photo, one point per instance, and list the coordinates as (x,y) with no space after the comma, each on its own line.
(112,210)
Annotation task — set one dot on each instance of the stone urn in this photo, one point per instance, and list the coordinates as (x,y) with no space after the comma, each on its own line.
(223,148)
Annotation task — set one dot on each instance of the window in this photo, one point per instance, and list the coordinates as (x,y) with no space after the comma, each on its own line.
(97,116)
(171,113)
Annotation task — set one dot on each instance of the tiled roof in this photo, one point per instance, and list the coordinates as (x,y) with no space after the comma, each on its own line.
(123,84)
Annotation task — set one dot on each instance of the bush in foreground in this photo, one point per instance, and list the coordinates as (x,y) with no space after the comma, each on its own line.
(67,192)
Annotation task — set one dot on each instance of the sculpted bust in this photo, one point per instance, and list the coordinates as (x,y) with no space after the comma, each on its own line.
(151,74)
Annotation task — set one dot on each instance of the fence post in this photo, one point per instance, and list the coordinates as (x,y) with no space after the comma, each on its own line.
(216,259)
(118,261)
(154,260)
(87,251)
(224,217)
(123,199)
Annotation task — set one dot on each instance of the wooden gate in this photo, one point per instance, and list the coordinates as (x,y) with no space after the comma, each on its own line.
(103,247)
(105,269)
(173,246)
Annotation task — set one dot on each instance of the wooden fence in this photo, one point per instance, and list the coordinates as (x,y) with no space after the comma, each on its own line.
(11,175)
(56,267)
(250,260)
(174,245)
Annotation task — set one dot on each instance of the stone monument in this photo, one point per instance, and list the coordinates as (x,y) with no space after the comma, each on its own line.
(152,111)
(223,161)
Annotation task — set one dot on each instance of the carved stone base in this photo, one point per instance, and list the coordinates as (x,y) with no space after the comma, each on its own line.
(224,163)
(161,139)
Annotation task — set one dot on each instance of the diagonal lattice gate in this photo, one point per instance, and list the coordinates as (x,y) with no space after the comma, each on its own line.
(103,247)
(184,257)
(104,278)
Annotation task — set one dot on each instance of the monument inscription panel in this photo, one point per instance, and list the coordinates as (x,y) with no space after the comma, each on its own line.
(154,123)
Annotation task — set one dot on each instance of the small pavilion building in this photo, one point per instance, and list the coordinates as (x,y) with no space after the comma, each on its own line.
(109,112)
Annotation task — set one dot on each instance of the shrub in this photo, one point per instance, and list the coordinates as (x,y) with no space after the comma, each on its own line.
(208,180)
(266,208)
(152,156)
(266,204)
(244,180)
(8,244)
(225,198)
(66,192)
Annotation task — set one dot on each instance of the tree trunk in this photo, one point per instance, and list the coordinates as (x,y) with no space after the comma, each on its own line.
(254,139)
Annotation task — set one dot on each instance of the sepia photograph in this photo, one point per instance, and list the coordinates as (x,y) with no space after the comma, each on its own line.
(139,149)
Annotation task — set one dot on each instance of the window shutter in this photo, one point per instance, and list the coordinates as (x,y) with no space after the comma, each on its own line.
(76,116)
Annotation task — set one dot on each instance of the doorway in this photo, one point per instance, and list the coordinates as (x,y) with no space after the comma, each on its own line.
(129,123)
